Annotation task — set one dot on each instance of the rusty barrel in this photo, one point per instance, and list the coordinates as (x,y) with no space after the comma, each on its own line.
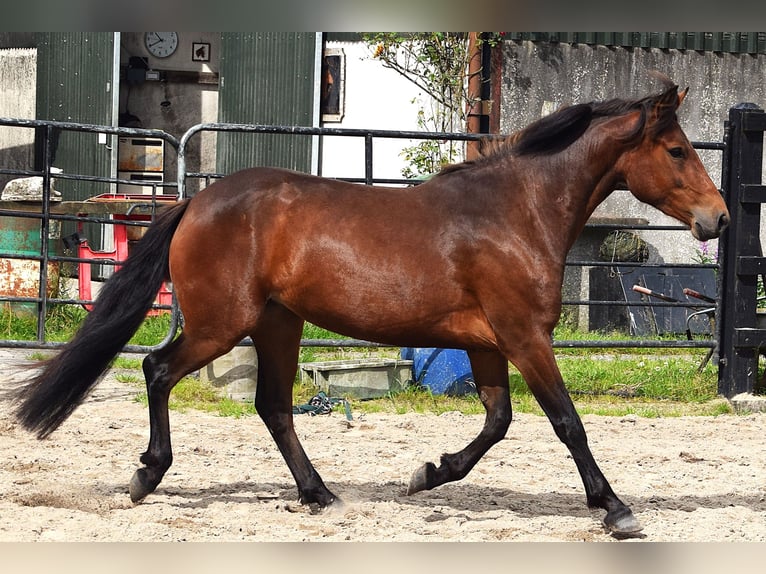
(20,277)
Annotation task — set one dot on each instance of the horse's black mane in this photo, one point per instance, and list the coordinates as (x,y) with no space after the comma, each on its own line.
(556,132)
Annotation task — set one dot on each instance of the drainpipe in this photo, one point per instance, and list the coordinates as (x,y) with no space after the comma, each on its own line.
(473,105)
(483,106)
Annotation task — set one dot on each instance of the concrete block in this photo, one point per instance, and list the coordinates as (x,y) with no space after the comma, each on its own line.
(235,374)
(748,403)
(358,378)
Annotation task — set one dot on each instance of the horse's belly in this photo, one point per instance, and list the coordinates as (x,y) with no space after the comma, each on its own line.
(399,321)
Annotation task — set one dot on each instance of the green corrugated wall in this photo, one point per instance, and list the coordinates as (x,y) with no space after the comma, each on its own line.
(74,78)
(266,78)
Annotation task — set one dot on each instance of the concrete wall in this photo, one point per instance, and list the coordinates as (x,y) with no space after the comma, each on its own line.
(18,67)
(539,77)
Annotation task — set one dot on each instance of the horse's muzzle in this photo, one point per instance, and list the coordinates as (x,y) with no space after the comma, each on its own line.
(710,227)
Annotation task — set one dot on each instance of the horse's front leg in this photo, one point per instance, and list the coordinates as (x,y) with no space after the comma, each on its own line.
(538,367)
(490,371)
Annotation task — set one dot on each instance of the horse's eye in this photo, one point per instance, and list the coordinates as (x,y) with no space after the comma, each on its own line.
(676,152)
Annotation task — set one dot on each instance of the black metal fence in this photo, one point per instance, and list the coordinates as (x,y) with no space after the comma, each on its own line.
(50,213)
(739,248)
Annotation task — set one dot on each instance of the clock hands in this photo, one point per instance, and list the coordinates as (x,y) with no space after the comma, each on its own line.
(159,40)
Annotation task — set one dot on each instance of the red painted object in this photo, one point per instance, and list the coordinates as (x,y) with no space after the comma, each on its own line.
(118,254)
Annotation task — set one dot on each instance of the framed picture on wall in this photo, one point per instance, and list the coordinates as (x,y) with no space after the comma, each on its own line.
(200,51)
(333,85)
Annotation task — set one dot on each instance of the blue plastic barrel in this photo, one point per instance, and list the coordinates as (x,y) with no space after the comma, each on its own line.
(443,371)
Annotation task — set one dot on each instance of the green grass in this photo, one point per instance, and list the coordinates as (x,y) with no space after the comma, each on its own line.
(192,393)
(563,333)
(674,378)
(152,331)
(645,382)
(615,385)
(63,321)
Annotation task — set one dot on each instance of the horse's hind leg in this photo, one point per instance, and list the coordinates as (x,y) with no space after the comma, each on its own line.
(163,369)
(277,341)
(490,371)
(539,369)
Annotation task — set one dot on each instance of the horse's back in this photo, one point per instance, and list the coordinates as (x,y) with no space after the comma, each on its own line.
(372,262)
(268,198)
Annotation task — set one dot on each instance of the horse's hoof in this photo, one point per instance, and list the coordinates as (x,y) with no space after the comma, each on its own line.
(622,523)
(422,478)
(139,486)
(337,506)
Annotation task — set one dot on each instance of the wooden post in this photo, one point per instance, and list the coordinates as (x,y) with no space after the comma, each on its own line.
(483,106)
(740,255)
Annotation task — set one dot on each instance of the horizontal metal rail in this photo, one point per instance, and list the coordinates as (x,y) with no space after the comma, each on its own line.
(368,137)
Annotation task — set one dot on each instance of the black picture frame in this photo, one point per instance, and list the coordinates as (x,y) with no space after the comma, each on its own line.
(200,51)
(333,97)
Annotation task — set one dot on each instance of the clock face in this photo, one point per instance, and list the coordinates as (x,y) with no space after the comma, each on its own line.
(161,44)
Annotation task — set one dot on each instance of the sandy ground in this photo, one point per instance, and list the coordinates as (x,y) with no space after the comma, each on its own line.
(687,479)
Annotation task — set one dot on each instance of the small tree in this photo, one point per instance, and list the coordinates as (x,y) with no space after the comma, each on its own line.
(437,63)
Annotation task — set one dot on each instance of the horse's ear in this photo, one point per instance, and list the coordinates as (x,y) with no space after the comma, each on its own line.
(682,95)
(663,111)
(671,97)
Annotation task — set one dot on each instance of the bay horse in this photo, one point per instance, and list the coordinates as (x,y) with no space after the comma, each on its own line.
(472,259)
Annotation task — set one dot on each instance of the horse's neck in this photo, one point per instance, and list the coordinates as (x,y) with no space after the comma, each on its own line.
(575,184)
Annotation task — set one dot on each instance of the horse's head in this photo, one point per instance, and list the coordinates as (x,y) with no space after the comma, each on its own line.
(664,170)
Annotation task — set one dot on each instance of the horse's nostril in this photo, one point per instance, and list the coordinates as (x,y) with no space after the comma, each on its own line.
(723,222)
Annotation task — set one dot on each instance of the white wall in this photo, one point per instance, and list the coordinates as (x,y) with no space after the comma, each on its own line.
(375,98)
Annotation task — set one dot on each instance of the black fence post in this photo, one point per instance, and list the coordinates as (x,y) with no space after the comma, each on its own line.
(740,253)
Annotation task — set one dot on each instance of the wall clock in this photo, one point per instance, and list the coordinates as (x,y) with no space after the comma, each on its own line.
(161,44)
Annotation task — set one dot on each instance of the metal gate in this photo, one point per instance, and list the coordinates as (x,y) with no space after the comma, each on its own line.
(740,260)
(33,251)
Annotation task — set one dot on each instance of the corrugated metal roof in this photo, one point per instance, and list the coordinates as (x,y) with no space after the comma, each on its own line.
(733,42)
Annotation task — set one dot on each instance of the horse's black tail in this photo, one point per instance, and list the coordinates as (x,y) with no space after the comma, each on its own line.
(64,382)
